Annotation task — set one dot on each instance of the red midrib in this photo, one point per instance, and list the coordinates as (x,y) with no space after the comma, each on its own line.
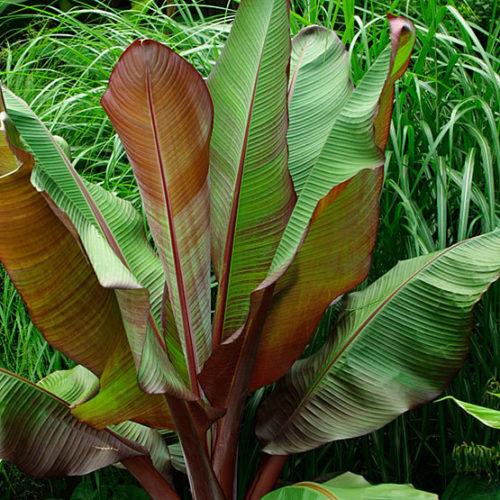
(228,249)
(359,330)
(192,368)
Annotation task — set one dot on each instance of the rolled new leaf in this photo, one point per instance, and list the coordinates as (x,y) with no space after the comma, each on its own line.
(399,344)
(43,439)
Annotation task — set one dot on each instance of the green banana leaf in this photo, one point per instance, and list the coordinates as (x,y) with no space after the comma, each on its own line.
(487,416)
(398,345)
(319,88)
(326,247)
(251,190)
(111,232)
(348,486)
(78,384)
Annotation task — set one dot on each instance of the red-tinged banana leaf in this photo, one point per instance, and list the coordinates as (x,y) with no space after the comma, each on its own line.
(157,356)
(111,233)
(402,41)
(398,345)
(43,439)
(150,439)
(350,146)
(348,486)
(45,262)
(121,399)
(334,258)
(162,111)
(251,190)
(340,235)
(337,207)
(78,384)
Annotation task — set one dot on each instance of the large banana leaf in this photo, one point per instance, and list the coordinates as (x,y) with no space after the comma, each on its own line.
(334,258)
(48,268)
(153,363)
(342,189)
(79,384)
(327,245)
(348,486)
(43,439)
(100,239)
(252,193)
(350,145)
(400,342)
(162,111)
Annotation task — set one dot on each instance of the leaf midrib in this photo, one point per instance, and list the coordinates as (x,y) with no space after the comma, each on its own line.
(358,332)
(318,488)
(192,364)
(231,232)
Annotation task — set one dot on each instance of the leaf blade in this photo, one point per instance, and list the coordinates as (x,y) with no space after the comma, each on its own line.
(397,347)
(319,88)
(43,439)
(487,416)
(48,268)
(79,384)
(348,486)
(152,95)
(71,200)
(252,193)
(333,246)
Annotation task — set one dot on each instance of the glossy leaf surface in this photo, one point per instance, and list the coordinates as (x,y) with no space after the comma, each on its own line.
(79,384)
(48,268)
(326,248)
(79,215)
(331,247)
(319,88)
(162,111)
(487,416)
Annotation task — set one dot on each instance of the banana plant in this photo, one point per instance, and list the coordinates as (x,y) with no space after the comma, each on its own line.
(267,174)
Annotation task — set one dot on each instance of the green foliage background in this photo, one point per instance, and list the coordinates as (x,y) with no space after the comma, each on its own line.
(442,176)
